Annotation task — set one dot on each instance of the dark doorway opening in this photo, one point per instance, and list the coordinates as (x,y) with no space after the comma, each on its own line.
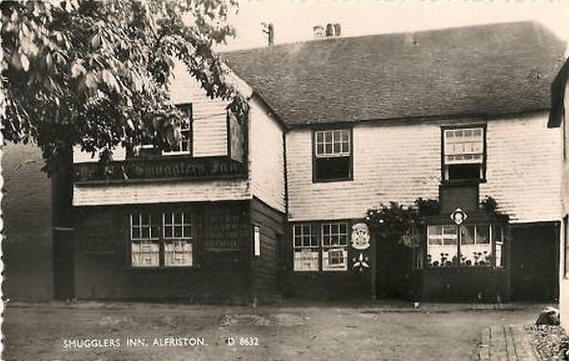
(534,263)
(394,277)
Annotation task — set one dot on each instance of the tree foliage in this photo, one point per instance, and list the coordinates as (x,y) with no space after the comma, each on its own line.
(96,74)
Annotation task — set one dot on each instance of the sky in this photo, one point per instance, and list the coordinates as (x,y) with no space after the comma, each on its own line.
(293,20)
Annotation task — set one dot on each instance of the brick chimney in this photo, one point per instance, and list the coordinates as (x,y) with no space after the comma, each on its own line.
(318,31)
(330,30)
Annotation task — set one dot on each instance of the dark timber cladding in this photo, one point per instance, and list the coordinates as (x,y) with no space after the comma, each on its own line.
(220,254)
(329,284)
(266,268)
(224,267)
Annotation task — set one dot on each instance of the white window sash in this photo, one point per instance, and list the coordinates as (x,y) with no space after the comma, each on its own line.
(140,226)
(185,140)
(306,260)
(326,259)
(178,253)
(334,231)
(145,254)
(336,139)
(169,221)
(462,149)
(306,238)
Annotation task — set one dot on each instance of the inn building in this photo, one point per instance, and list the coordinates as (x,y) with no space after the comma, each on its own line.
(276,206)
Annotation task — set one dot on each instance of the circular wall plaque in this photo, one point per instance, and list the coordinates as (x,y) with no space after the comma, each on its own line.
(360,236)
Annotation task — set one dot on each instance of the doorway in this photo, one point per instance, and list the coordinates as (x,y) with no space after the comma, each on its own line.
(534,264)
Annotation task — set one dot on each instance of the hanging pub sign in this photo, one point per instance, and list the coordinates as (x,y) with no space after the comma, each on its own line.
(236,138)
(458,216)
(360,236)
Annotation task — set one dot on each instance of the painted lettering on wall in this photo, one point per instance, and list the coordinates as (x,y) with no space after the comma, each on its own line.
(161,167)
(222,229)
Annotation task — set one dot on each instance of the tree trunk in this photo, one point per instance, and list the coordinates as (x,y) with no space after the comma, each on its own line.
(62,224)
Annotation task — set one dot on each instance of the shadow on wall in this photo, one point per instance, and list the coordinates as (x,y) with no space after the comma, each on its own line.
(26,212)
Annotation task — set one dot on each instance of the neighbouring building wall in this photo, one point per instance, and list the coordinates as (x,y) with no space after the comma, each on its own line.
(402,162)
(266,156)
(26,212)
(564,239)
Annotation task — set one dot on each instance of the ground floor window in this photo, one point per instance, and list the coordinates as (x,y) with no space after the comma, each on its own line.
(479,245)
(320,247)
(306,250)
(170,248)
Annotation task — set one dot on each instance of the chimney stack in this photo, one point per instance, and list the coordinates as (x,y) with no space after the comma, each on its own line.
(318,31)
(330,30)
(270,31)
(337,29)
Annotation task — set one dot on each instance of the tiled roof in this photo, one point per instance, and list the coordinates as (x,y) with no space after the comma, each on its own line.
(485,70)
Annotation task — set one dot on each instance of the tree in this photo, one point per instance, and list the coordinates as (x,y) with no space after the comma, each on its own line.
(95,75)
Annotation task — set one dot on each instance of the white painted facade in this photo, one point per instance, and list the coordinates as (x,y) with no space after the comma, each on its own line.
(402,162)
(266,154)
(160,192)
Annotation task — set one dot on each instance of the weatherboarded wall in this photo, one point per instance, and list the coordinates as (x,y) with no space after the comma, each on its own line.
(210,115)
(209,119)
(266,268)
(26,212)
(401,162)
(159,192)
(266,157)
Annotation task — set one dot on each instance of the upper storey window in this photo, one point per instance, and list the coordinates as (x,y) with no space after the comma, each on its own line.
(464,154)
(184,145)
(332,155)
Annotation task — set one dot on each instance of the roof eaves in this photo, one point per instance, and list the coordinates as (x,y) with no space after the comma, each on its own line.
(415,119)
(271,110)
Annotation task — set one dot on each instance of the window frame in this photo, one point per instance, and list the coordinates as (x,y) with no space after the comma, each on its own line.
(492,243)
(302,248)
(350,156)
(317,244)
(482,178)
(187,108)
(160,238)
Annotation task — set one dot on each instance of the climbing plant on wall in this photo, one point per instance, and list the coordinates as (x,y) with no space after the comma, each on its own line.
(399,224)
